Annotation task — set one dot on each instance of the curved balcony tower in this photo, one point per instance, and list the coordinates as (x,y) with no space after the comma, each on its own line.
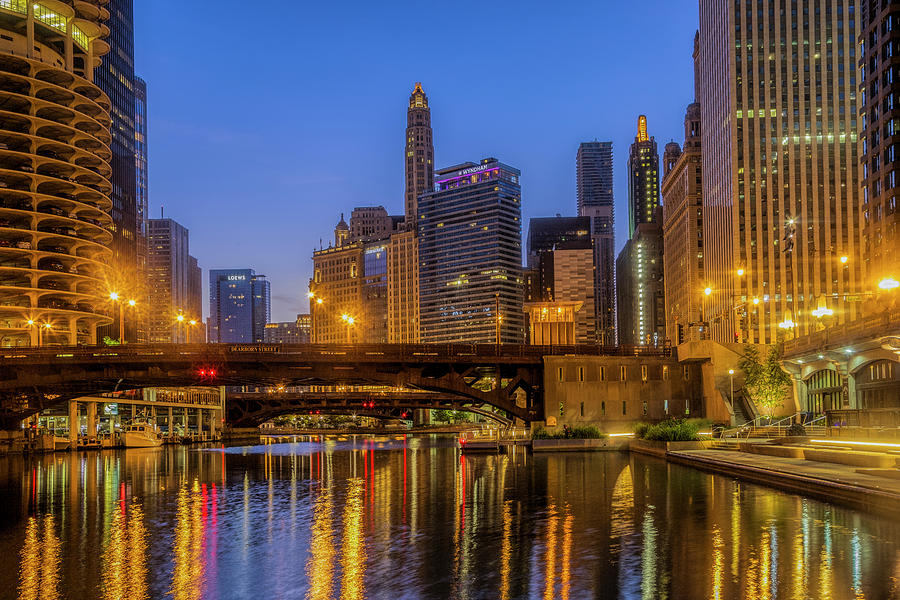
(54,173)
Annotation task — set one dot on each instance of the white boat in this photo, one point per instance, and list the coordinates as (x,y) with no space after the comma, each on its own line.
(140,435)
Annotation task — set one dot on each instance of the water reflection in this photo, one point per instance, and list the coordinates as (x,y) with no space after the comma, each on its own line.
(411,517)
(39,569)
(124,575)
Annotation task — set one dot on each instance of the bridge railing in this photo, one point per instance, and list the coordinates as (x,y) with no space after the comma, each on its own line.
(403,352)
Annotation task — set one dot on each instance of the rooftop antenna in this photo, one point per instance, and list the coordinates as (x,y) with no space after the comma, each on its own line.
(162,210)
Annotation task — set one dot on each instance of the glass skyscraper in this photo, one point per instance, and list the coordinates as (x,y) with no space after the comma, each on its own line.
(470,255)
(594,173)
(239,306)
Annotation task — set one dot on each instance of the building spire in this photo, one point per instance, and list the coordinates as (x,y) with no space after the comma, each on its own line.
(418,156)
(642,129)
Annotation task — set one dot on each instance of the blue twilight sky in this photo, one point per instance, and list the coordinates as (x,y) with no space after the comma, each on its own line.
(267,120)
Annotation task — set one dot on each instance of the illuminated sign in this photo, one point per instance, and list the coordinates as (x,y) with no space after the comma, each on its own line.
(110,409)
(471,170)
(237,277)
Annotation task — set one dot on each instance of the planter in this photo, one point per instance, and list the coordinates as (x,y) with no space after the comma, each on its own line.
(568,445)
(661,448)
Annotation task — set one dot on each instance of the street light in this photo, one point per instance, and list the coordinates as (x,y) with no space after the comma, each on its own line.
(888,283)
(40,328)
(731,376)
(115,297)
(350,321)
(844,260)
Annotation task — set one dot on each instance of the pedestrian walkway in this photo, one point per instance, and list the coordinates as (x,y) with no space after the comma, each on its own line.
(827,481)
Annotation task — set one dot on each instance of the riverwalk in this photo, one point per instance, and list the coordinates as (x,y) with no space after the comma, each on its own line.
(874,490)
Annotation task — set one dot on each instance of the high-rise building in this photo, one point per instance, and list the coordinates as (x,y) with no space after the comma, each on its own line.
(547,233)
(781,200)
(239,306)
(639,268)
(350,280)
(470,255)
(287,332)
(141,200)
(643,178)
(640,288)
(370,222)
(880,148)
(115,76)
(594,175)
(682,191)
(565,279)
(55,224)
(174,288)
(419,154)
(304,327)
(194,302)
(403,288)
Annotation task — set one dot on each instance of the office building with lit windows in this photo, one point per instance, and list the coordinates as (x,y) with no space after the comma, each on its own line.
(174,285)
(350,281)
(57,170)
(470,255)
(682,192)
(142,200)
(853,359)
(781,188)
(239,306)
(594,182)
(640,291)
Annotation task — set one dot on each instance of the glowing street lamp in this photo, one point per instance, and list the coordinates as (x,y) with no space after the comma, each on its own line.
(731,377)
(116,297)
(888,283)
(350,321)
(787,324)
(823,311)
(844,260)
(40,329)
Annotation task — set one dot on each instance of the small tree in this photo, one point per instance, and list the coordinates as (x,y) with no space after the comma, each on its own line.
(766,382)
(442,415)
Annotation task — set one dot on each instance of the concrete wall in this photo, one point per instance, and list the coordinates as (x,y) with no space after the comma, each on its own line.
(590,390)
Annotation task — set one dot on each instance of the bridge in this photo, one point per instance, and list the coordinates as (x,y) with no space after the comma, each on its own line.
(508,377)
(250,409)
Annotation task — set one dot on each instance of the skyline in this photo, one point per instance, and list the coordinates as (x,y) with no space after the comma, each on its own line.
(293,159)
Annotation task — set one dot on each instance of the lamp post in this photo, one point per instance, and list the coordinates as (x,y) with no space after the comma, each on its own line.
(350,321)
(115,297)
(731,377)
(40,330)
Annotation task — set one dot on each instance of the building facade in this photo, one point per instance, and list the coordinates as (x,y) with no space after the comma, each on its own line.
(142,190)
(239,306)
(174,287)
(470,255)
(349,292)
(643,178)
(57,172)
(116,78)
(594,181)
(853,360)
(640,290)
(640,287)
(682,191)
(781,193)
(288,332)
(419,152)
(403,288)
(370,222)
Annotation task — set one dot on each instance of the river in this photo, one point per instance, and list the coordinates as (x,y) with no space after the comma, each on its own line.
(410,517)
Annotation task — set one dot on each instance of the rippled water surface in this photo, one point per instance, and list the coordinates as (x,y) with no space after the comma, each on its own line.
(412,518)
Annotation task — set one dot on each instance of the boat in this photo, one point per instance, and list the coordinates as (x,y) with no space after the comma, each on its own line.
(108,440)
(61,443)
(140,435)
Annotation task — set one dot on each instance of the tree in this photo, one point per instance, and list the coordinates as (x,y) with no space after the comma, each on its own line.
(766,382)
(442,415)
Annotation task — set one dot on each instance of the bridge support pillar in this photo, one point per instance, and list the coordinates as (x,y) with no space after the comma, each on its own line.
(91,420)
(169,424)
(421,416)
(73,425)
(212,422)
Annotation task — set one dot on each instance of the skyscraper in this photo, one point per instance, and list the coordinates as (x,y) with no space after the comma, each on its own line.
(55,226)
(141,198)
(781,201)
(594,175)
(682,191)
(639,268)
(470,255)
(643,178)
(560,304)
(174,288)
(419,155)
(239,306)
(115,77)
